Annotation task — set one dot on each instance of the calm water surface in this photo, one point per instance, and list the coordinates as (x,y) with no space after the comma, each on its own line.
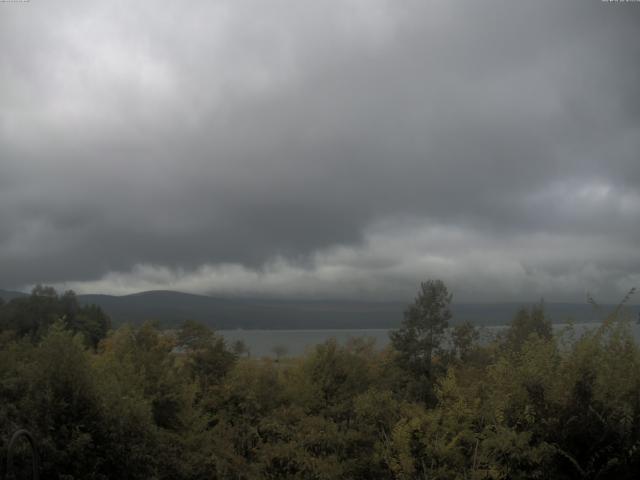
(296,342)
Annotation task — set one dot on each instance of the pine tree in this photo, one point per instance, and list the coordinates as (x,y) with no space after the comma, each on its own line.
(421,333)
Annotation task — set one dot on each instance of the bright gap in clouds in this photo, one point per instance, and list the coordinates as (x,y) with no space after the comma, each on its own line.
(394,260)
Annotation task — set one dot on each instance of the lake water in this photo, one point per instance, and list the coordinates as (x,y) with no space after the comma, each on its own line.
(296,342)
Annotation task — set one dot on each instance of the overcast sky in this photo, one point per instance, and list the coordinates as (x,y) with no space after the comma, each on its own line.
(321,149)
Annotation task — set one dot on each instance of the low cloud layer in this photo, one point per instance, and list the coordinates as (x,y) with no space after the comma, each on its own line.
(321,149)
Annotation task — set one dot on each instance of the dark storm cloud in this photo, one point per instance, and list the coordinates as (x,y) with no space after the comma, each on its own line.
(303,147)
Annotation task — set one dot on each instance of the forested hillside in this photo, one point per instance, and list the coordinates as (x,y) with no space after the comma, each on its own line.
(170,308)
(143,403)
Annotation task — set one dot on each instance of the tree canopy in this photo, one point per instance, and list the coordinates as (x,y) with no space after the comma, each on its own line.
(147,403)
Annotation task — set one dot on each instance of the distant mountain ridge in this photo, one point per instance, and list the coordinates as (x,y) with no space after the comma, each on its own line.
(7,295)
(170,308)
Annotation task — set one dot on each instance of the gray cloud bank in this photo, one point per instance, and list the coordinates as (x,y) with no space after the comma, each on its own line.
(343,148)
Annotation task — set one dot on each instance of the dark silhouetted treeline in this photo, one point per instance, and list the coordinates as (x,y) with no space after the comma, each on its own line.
(143,403)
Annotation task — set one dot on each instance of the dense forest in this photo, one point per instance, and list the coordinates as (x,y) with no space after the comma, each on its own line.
(146,403)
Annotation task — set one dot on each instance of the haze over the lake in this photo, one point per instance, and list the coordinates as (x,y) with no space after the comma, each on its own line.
(327,149)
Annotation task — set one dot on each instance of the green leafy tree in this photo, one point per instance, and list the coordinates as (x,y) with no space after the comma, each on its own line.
(422,331)
(31,317)
(240,348)
(279,351)
(89,320)
(528,322)
(207,356)
(463,339)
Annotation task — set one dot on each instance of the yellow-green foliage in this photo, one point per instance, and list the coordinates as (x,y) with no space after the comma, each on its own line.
(149,404)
